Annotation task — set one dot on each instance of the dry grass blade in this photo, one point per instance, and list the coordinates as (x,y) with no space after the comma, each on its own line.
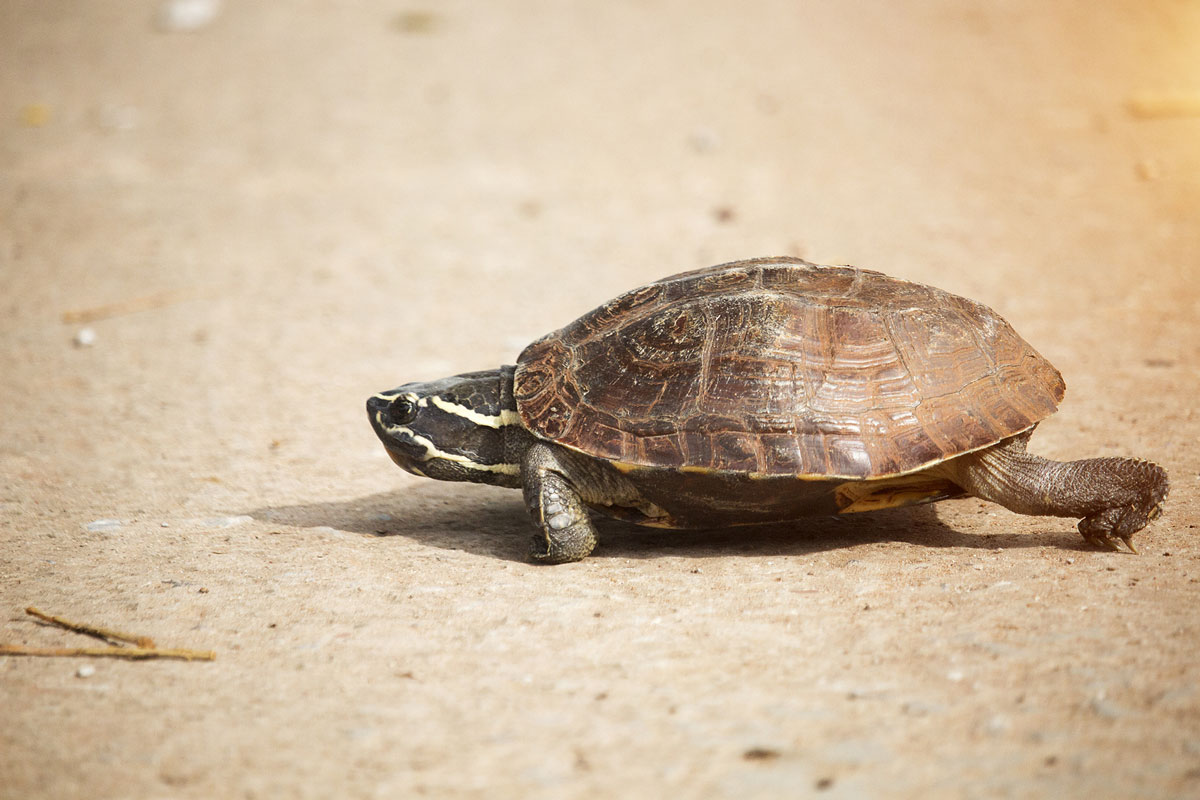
(91,630)
(130,306)
(133,653)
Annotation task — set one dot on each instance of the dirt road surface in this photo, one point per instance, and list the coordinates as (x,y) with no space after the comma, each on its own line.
(219,233)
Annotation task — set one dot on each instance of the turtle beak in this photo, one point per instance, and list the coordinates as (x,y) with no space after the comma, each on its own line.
(375,403)
(377,407)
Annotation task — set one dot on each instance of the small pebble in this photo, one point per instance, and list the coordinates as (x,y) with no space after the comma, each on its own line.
(164,524)
(85,337)
(997,725)
(86,671)
(761,754)
(226,522)
(187,15)
(1106,709)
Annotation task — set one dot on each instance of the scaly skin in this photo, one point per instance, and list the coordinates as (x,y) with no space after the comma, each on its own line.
(1116,497)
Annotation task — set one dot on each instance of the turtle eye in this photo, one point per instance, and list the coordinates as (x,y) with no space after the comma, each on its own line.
(403,409)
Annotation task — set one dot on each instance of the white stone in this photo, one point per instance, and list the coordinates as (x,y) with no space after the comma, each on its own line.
(187,15)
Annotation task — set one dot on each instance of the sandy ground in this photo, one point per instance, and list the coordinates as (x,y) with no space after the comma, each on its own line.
(315,203)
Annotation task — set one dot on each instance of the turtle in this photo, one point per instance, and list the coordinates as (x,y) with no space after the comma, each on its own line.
(759,391)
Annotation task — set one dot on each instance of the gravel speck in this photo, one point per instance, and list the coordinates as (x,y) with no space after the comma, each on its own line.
(187,15)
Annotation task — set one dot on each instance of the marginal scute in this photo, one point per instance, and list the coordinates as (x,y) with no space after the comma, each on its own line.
(781,367)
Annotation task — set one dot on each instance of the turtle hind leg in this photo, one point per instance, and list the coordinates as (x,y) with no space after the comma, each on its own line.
(1114,497)
(565,529)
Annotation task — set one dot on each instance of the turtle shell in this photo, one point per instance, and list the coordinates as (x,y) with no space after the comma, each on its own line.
(782,367)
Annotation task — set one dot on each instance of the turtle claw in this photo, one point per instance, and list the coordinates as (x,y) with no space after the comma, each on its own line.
(1107,541)
(1113,527)
(562,547)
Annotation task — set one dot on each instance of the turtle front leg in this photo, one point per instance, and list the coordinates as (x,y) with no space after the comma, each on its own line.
(1116,497)
(567,533)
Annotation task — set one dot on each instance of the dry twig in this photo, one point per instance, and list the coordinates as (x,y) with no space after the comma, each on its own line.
(107,635)
(136,653)
(130,306)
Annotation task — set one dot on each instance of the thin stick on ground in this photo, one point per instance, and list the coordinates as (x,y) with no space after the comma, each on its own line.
(105,634)
(133,653)
(130,306)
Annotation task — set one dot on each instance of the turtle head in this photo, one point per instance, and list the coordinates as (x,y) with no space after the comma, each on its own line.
(462,428)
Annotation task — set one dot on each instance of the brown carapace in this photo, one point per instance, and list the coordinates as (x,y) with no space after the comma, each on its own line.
(779,367)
